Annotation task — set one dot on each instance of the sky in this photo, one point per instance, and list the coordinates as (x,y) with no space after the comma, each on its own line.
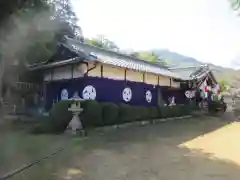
(208,30)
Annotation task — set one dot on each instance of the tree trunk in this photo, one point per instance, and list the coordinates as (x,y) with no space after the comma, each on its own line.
(2,69)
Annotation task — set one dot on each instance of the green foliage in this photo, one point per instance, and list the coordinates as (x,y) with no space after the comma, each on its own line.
(154,113)
(147,56)
(223,85)
(92,114)
(31,30)
(44,125)
(60,116)
(95,42)
(129,113)
(216,106)
(125,113)
(150,57)
(175,111)
(235,4)
(109,113)
(101,114)
(103,42)
(7,8)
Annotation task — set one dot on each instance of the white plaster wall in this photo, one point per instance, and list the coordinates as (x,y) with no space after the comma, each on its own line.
(79,70)
(134,76)
(64,72)
(47,75)
(96,72)
(151,79)
(175,84)
(112,72)
(164,81)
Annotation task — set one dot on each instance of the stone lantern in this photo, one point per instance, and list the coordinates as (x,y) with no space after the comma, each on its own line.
(75,125)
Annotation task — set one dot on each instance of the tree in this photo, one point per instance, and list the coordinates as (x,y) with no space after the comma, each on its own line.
(102,42)
(66,19)
(12,32)
(223,85)
(35,23)
(30,30)
(235,4)
(149,56)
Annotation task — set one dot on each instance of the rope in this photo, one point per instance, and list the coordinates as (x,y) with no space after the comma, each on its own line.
(26,167)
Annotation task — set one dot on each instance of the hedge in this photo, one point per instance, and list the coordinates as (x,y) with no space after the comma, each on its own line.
(92,114)
(216,106)
(110,113)
(97,114)
(59,116)
(175,111)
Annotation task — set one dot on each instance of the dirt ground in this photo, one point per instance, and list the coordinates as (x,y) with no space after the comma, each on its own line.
(200,149)
(189,149)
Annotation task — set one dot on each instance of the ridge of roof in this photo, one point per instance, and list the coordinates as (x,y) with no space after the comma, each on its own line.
(188,67)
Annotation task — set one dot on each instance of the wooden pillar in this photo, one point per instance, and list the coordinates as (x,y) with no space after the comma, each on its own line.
(125,74)
(101,71)
(72,69)
(44,95)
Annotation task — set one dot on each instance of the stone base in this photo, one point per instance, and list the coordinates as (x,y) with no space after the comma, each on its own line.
(77,132)
(82,132)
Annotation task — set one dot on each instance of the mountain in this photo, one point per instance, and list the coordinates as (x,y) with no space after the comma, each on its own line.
(176,60)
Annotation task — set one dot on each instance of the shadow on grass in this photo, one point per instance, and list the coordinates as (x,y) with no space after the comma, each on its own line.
(19,148)
(152,152)
(134,153)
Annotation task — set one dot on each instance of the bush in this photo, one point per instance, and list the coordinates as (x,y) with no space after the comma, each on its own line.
(216,106)
(129,113)
(139,113)
(187,109)
(164,111)
(42,126)
(92,114)
(99,114)
(125,113)
(60,116)
(145,113)
(175,111)
(109,113)
(154,113)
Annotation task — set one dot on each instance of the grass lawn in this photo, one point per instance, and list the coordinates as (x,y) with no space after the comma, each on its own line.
(19,148)
(200,149)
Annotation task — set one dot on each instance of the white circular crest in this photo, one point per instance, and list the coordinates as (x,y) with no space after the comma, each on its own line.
(127,94)
(172,101)
(89,92)
(64,94)
(190,94)
(148,96)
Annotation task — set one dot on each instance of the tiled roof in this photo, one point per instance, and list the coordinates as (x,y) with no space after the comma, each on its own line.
(193,72)
(118,59)
(87,52)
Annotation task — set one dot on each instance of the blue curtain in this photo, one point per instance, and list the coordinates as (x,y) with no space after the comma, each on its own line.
(108,90)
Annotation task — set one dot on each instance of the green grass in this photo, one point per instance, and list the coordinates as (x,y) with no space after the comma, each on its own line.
(146,152)
(19,148)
